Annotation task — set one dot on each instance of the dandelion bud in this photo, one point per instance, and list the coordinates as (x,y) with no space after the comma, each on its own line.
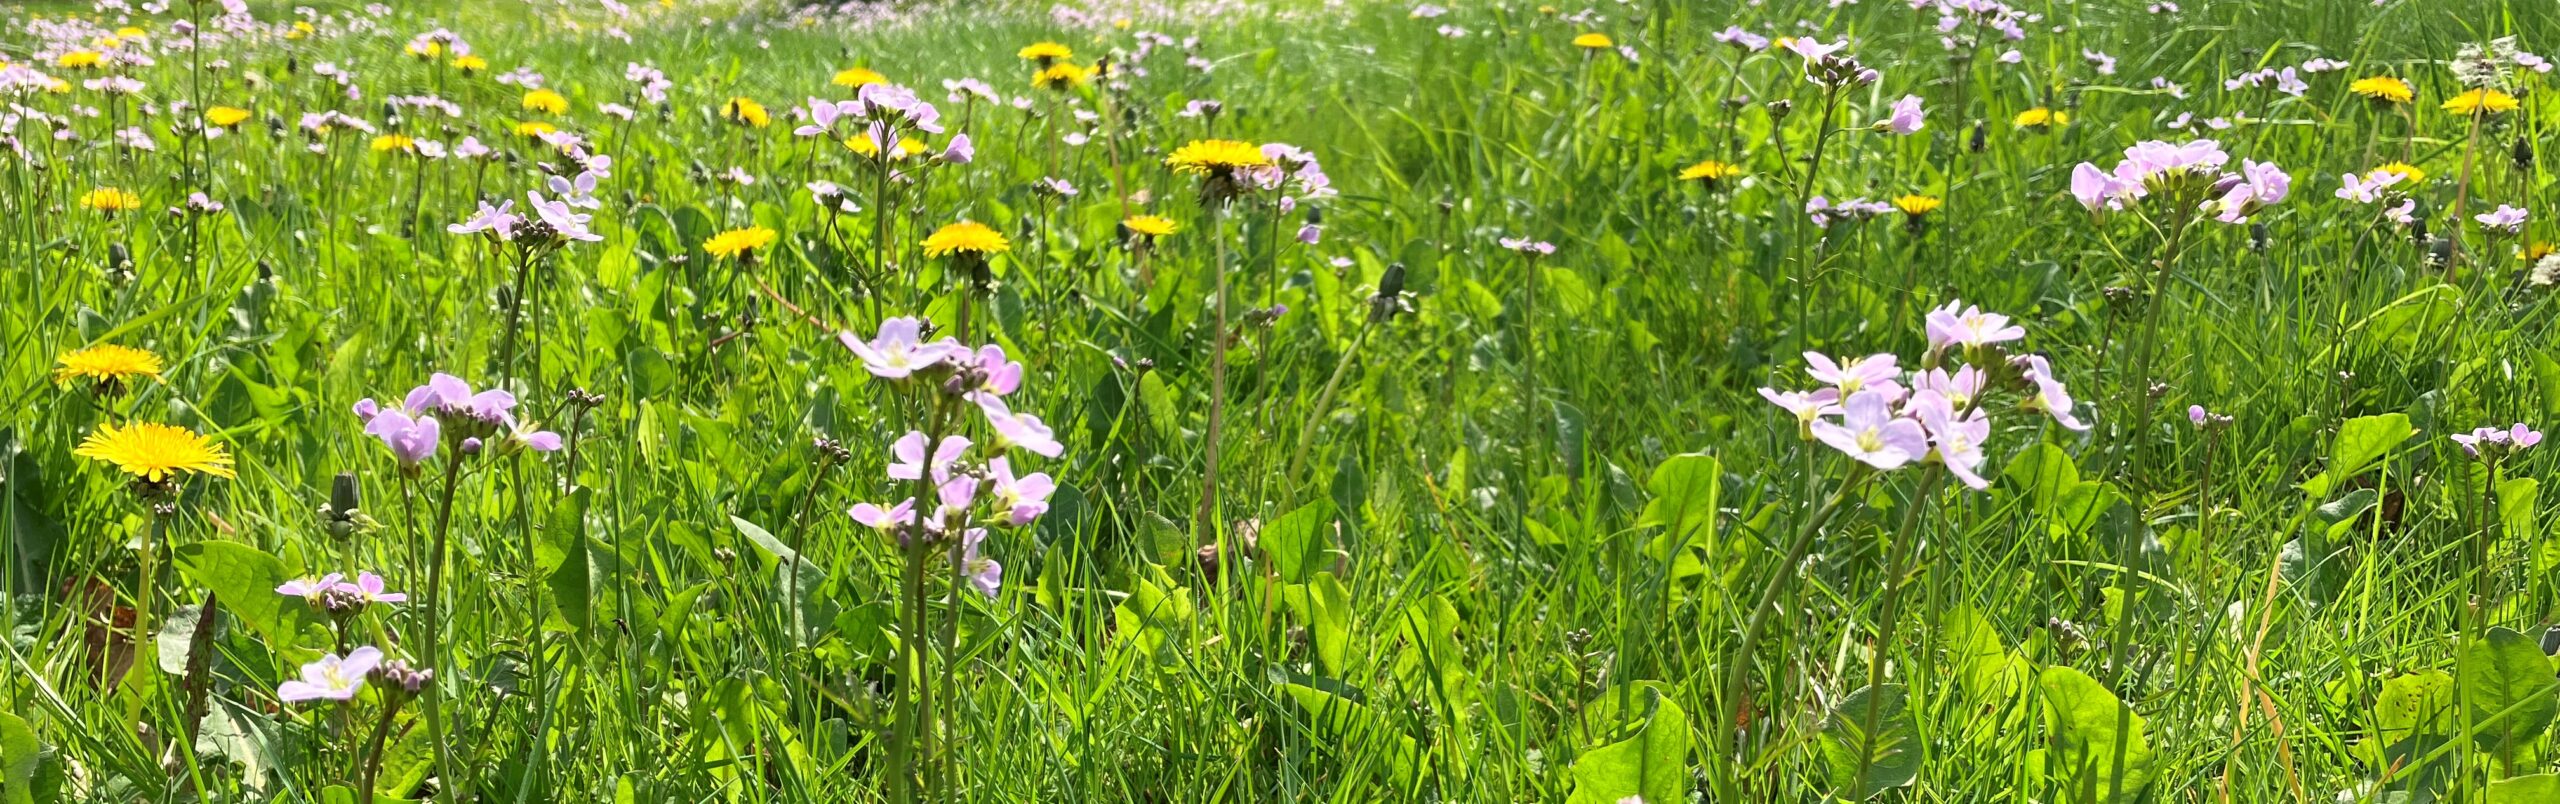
(292,64)
(2523,153)
(119,258)
(2439,252)
(1389,299)
(1981,138)
(2258,238)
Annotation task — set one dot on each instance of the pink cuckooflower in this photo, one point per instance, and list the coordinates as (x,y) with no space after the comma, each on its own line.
(309,588)
(1906,117)
(899,351)
(369,588)
(910,463)
(1873,372)
(2050,397)
(332,677)
(1971,327)
(1870,433)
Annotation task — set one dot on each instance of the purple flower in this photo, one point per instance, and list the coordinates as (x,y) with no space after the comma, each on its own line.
(1955,441)
(985,575)
(2494,441)
(910,458)
(1813,49)
(1023,499)
(445,393)
(1310,234)
(2197,415)
(1970,327)
(412,441)
(1873,372)
(959,151)
(1527,246)
(1958,389)
(1806,407)
(2260,185)
(1734,35)
(1018,429)
(2503,220)
(1906,117)
(562,219)
(899,351)
(873,516)
(1870,433)
(2099,190)
(308,588)
(368,587)
(332,678)
(2367,189)
(2050,397)
(999,375)
(500,221)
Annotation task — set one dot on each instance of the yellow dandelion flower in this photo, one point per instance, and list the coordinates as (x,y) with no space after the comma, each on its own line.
(2480,101)
(1150,226)
(470,64)
(1207,157)
(301,29)
(58,87)
(1918,205)
(110,200)
(130,32)
(427,50)
(534,128)
(2408,172)
(106,364)
(745,111)
(2384,88)
(1711,172)
(2537,251)
(394,142)
(1594,41)
(546,102)
(1061,76)
(965,237)
(859,77)
(738,242)
(1044,52)
(78,59)
(155,452)
(2040,117)
(226,116)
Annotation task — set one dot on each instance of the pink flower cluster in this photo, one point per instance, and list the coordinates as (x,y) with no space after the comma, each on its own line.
(1873,411)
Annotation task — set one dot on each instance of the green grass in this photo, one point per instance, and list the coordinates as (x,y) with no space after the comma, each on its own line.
(1523,552)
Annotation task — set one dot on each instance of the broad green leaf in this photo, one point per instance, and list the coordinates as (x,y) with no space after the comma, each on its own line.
(1356,732)
(1685,495)
(244,579)
(19,753)
(2360,442)
(2091,735)
(1325,607)
(1862,765)
(2540,788)
(1652,761)
(1300,542)
(1151,615)
(1988,671)
(2419,703)
(2546,377)
(2510,688)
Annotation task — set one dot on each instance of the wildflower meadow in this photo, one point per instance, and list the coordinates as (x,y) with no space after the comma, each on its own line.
(1600,402)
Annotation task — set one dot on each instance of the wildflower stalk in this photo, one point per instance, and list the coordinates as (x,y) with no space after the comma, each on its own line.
(445,780)
(200,665)
(1804,195)
(1529,358)
(1891,617)
(916,724)
(1217,383)
(2462,193)
(1738,670)
(1324,401)
(370,767)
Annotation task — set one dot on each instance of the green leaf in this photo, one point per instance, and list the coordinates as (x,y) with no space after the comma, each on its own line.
(2361,441)
(1652,761)
(1862,766)
(1355,731)
(2509,684)
(2414,704)
(1685,495)
(2090,735)
(245,579)
(19,754)
(1984,665)
(2517,510)
(1299,543)
(1150,614)
(2540,788)
(1325,607)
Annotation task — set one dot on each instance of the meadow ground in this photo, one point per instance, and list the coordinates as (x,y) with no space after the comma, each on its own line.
(1278,400)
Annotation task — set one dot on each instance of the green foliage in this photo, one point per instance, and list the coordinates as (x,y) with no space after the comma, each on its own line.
(2097,749)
